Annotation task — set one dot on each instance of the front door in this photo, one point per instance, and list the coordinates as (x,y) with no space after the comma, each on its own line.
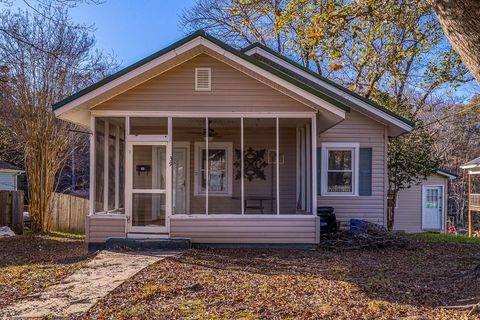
(432,208)
(148,187)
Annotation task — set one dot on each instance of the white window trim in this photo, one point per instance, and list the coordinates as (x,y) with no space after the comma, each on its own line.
(326,146)
(228,146)
(209,71)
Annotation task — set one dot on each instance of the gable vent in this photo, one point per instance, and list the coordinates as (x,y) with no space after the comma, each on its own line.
(203,79)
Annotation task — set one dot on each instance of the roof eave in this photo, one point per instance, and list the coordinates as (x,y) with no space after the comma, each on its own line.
(404,124)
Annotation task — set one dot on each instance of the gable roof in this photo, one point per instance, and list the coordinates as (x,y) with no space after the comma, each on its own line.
(298,71)
(472,166)
(9,167)
(447,174)
(331,101)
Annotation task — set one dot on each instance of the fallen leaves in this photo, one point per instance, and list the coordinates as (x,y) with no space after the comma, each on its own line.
(29,264)
(287,284)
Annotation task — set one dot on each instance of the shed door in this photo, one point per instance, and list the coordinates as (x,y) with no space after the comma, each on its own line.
(432,207)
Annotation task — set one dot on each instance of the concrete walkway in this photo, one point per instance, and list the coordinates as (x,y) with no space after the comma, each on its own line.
(80,291)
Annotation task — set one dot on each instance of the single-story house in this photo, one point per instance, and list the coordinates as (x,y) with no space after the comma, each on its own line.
(423,206)
(218,145)
(9,176)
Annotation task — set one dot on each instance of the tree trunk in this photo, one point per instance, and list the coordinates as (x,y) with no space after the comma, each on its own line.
(460,20)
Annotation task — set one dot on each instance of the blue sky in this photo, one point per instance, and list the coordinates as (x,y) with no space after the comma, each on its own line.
(133,29)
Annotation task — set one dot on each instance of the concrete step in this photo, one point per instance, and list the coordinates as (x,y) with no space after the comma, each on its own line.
(157,244)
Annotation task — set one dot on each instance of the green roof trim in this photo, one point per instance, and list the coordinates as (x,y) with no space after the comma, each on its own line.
(333,83)
(221,44)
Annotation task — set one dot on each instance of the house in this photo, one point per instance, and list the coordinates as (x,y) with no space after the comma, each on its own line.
(423,206)
(473,168)
(206,142)
(9,176)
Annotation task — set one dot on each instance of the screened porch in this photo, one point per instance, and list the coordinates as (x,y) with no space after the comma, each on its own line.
(152,168)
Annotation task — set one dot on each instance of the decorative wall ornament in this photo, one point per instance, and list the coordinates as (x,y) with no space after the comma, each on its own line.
(254,164)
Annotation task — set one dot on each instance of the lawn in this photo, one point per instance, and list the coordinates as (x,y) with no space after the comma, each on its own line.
(408,283)
(29,263)
(446,238)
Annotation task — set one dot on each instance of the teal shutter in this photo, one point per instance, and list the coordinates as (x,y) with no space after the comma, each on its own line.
(365,174)
(319,169)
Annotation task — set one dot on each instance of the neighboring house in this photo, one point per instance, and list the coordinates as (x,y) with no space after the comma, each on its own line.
(473,170)
(423,207)
(305,141)
(9,176)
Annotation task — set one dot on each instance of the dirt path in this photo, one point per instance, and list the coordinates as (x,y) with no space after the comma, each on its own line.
(80,291)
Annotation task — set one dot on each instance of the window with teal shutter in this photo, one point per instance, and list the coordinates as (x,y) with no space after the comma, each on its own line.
(365,174)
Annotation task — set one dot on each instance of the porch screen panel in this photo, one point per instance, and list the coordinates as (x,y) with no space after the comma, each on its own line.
(224,164)
(109,161)
(260,183)
(99,164)
(148,126)
(187,195)
(294,166)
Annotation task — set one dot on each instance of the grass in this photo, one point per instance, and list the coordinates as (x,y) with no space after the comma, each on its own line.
(29,263)
(446,238)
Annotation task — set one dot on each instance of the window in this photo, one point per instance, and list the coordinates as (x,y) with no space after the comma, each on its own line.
(219,168)
(340,168)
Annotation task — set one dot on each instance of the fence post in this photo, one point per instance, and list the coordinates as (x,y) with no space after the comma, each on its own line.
(4,208)
(17,211)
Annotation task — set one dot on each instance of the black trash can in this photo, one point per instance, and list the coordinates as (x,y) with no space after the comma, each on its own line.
(328,221)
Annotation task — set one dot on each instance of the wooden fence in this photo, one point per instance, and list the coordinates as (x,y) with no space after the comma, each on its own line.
(11,210)
(68,213)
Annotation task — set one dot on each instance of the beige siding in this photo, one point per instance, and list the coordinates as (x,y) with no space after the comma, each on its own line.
(100,228)
(358,128)
(301,230)
(232,90)
(408,214)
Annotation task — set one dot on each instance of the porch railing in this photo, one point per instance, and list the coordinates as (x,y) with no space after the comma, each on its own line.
(474,201)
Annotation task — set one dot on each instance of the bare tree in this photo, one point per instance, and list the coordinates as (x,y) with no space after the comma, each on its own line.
(456,132)
(46,60)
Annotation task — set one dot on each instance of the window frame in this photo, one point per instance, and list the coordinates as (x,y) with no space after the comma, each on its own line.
(340,146)
(199,147)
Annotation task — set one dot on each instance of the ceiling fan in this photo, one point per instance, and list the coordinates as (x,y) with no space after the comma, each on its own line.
(211,132)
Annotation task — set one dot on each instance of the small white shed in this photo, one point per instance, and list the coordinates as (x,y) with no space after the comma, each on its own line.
(423,207)
(9,176)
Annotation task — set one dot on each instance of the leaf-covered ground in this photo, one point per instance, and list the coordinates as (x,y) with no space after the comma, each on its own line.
(29,263)
(282,284)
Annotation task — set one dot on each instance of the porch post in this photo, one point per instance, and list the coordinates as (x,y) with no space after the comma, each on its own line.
(313,172)
(207,135)
(168,175)
(242,173)
(278,163)
(91,204)
(106,153)
(470,222)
